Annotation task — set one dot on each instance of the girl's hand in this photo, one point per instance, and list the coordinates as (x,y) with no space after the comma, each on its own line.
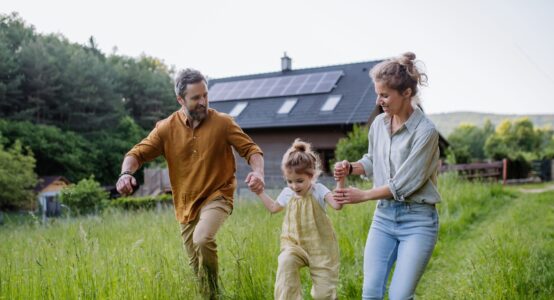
(341,169)
(349,195)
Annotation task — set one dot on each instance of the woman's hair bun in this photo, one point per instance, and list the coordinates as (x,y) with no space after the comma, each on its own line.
(409,55)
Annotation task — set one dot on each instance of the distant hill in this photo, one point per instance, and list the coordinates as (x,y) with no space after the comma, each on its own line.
(447,122)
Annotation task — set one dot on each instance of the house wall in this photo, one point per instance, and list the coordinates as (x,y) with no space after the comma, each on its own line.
(274,143)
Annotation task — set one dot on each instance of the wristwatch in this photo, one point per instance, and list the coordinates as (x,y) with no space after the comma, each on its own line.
(126,173)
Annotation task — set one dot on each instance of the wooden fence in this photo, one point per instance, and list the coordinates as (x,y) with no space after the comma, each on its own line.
(493,170)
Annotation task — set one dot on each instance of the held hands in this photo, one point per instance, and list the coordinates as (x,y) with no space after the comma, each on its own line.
(349,195)
(255,182)
(342,169)
(125,184)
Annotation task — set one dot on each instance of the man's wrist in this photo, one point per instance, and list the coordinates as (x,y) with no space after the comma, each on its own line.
(126,173)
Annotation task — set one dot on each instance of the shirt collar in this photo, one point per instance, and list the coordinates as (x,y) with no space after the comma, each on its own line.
(412,121)
(188,122)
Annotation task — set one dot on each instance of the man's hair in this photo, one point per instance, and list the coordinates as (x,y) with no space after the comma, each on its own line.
(186,77)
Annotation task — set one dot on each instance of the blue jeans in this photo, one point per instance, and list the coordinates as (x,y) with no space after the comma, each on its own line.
(401,232)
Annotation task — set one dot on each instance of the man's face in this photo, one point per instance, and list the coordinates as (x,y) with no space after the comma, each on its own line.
(195,101)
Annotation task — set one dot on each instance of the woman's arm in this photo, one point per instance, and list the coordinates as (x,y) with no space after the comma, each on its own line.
(272,206)
(353,195)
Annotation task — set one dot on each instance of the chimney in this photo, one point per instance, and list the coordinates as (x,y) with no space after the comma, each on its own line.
(286,63)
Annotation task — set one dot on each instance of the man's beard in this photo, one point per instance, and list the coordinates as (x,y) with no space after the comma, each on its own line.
(199,113)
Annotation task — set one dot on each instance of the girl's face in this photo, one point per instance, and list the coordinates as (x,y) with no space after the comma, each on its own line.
(299,183)
(392,102)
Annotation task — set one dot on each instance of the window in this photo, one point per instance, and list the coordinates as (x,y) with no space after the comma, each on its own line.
(287,106)
(239,107)
(331,103)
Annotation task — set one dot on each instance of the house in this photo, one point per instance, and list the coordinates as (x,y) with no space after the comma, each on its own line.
(319,105)
(48,190)
(156,182)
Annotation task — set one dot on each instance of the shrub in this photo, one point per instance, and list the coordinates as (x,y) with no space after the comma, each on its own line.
(135,203)
(17,177)
(86,196)
(353,146)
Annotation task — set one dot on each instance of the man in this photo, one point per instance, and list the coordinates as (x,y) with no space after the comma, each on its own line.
(197,142)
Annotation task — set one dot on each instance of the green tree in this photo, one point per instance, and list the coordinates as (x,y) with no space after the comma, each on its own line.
(57,152)
(546,137)
(520,143)
(87,196)
(146,88)
(42,84)
(467,142)
(13,33)
(353,146)
(514,139)
(111,146)
(17,177)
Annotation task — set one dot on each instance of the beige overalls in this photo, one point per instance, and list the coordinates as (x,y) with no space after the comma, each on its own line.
(307,239)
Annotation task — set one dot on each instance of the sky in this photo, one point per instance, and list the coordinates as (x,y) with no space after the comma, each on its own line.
(491,56)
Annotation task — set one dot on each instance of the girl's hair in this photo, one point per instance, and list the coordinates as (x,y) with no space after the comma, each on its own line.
(300,159)
(400,73)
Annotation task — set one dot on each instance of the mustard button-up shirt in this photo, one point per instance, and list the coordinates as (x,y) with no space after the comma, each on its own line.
(200,160)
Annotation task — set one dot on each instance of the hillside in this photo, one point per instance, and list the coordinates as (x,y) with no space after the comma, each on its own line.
(446,122)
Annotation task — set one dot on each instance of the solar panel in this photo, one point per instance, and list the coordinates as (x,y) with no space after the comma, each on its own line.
(304,84)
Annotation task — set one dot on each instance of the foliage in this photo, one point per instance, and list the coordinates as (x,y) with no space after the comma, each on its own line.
(17,177)
(467,142)
(512,139)
(146,87)
(111,145)
(13,33)
(46,79)
(353,146)
(57,152)
(85,197)
(135,203)
(447,122)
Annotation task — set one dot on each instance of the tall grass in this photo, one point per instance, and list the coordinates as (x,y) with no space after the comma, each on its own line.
(493,244)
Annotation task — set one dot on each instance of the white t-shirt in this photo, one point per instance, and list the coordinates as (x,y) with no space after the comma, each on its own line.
(318,190)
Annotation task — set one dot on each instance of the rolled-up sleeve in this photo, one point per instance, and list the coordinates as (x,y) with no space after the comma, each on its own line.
(241,141)
(147,149)
(367,160)
(415,171)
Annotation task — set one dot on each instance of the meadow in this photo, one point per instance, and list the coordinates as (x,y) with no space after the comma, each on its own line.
(495,242)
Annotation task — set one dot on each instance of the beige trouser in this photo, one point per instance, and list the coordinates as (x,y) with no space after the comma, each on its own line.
(199,243)
(307,240)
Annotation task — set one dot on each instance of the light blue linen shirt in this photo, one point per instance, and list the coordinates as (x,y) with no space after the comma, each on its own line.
(407,160)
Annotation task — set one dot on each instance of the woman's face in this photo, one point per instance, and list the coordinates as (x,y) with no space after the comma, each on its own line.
(391,100)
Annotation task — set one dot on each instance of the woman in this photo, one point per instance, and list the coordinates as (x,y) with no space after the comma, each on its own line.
(403,158)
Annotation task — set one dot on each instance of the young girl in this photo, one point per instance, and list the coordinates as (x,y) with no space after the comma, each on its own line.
(307,237)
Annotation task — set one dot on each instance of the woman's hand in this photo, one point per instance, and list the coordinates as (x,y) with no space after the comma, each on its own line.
(350,195)
(341,169)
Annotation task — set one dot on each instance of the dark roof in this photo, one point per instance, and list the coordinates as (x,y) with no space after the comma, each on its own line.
(45,181)
(356,105)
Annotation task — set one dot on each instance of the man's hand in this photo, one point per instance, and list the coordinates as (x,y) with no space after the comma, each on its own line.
(255,182)
(125,184)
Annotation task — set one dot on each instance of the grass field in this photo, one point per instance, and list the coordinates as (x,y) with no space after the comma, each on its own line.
(494,243)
